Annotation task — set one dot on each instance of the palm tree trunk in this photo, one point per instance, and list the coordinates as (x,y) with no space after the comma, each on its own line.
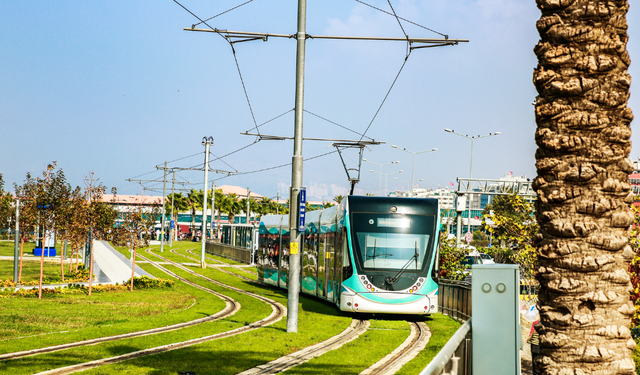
(583,188)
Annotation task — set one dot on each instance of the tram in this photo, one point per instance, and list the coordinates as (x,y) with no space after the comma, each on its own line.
(367,254)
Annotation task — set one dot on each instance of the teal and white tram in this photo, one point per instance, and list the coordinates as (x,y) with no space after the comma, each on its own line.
(367,254)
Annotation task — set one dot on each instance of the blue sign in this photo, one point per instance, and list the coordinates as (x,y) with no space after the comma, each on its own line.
(173,224)
(302,199)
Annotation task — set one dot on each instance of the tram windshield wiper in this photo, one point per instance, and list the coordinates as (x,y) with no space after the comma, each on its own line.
(394,279)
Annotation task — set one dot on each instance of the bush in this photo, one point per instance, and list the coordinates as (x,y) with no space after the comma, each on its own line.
(143,282)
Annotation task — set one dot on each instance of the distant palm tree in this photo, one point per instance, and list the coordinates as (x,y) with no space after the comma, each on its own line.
(180,204)
(338,198)
(195,200)
(231,206)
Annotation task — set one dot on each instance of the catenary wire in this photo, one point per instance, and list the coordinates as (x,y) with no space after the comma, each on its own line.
(234,57)
(387,95)
(404,19)
(226,11)
(280,166)
(275,118)
(246,95)
(335,123)
(398,19)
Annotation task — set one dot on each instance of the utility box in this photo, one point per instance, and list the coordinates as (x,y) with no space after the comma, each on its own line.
(496,343)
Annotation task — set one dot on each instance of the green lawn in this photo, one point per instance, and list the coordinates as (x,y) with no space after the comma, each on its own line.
(7,248)
(29,323)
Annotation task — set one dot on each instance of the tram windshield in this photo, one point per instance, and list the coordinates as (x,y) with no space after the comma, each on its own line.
(392,241)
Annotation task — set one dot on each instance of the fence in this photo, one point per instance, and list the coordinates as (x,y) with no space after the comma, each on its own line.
(239,254)
(455,299)
(455,357)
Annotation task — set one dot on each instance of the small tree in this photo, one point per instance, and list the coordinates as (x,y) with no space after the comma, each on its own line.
(515,226)
(25,194)
(136,225)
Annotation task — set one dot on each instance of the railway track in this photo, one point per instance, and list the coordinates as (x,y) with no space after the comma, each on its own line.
(284,363)
(231,307)
(278,311)
(418,338)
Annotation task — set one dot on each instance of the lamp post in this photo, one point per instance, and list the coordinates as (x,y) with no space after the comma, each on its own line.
(472,138)
(396,178)
(380,165)
(386,178)
(414,161)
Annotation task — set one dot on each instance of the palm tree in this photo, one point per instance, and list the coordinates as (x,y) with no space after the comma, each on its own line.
(338,198)
(180,204)
(231,206)
(583,188)
(195,199)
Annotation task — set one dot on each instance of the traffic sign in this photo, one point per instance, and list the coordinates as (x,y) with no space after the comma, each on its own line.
(468,237)
(302,196)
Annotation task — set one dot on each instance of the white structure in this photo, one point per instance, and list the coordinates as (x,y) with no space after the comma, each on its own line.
(445,197)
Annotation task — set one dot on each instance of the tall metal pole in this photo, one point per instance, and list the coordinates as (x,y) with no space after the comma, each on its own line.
(213,205)
(248,205)
(173,192)
(164,213)
(413,168)
(296,174)
(206,142)
(470,195)
(16,243)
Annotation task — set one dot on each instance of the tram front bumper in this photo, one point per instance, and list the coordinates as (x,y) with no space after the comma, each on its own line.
(388,303)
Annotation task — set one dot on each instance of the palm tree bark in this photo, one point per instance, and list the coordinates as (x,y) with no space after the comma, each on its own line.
(583,131)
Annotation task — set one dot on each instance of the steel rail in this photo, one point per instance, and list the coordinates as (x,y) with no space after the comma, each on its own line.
(278,311)
(416,341)
(357,328)
(231,307)
(218,267)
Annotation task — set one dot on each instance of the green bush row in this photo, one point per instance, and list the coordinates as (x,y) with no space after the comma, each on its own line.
(143,282)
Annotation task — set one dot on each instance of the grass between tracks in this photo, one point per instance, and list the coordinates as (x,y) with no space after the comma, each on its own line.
(317,322)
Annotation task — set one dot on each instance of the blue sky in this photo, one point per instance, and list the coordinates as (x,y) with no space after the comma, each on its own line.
(118,87)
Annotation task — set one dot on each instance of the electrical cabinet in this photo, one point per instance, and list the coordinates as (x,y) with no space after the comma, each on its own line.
(496,342)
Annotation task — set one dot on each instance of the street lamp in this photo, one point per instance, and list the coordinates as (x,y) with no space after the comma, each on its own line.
(472,138)
(414,161)
(380,165)
(386,177)
(396,178)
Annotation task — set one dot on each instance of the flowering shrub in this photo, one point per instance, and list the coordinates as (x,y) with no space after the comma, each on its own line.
(143,282)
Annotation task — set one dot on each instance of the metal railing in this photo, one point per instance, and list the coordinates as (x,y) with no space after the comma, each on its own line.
(455,299)
(239,254)
(455,356)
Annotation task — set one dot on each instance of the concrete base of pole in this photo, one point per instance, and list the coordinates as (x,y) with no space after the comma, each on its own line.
(203,265)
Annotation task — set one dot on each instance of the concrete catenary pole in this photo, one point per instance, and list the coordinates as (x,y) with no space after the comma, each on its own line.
(207,142)
(164,196)
(16,243)
(296,174)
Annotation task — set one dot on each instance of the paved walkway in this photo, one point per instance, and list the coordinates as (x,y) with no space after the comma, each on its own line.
(110,266)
